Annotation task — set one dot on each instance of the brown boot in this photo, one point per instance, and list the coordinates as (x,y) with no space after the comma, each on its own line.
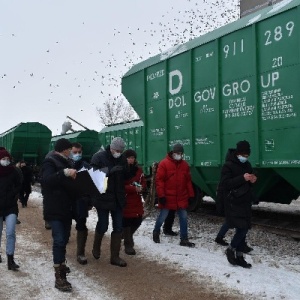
(115,245)
(81,241)
(61,282)
(128,241)
(97,245)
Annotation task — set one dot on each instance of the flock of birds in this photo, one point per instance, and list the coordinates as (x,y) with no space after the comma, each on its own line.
(143,41)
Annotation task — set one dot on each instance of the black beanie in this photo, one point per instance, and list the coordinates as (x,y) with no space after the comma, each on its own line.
(62,144)
(178,148)
(243,147)
(129,153)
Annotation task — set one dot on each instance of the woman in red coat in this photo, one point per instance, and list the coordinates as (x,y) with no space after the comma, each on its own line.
(174,190)
(133,210)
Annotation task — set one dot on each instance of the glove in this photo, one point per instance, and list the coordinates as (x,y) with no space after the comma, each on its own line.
(162,200)
(191,200)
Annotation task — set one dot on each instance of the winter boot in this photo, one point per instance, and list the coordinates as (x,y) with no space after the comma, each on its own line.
(240,261)
(220,240)
(11,265)
(170,232)
(186,243)
(128,241)
(247,249)
(61,282)
(115,245)
(81,241)
(65,267)
(156,238)
(97,245)
(230,254)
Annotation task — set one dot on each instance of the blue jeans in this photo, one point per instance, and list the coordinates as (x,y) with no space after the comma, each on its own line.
(239,239)
(103,220)
(182,214)
(10,222)
(60,234)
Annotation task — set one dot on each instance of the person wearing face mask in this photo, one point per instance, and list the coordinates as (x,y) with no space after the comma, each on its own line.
(82,205)
(174,190)
(10,185)
(57,174)
(113,200)
(236,180)
(133,211)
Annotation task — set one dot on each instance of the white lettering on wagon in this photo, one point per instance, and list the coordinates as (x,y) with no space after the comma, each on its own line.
(175,90)
(155,75)
(236,88)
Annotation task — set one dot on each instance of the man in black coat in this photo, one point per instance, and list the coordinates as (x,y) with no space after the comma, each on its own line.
(57,175)
(113,200)
(81,207)
(237,178)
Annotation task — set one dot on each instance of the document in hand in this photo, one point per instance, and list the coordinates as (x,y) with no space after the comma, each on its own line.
(90,182)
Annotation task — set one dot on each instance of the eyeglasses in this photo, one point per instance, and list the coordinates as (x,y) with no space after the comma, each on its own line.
(77,152)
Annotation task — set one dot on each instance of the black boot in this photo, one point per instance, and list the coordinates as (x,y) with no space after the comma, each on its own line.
(97,245)
(115,245)
(230,254)
(11,265)
(0,259)
(240,261)
(186,243)
(81,241)
(247,249)
(61,282)
(128,241)
(220,240)
(168,224)
(156,238)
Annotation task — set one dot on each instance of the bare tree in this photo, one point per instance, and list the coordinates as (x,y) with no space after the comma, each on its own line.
(116,110)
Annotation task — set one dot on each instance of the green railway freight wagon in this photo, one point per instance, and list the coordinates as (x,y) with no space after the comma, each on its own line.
(131,132)
(239,82)
(27,141)
(87,138)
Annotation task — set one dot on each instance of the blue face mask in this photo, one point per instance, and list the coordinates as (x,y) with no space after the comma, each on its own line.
(76,157)
(242,159)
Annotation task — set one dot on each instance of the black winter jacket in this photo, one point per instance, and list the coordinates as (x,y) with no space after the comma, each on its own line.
(56,188)
(117,173)
(10,185)
(237,209)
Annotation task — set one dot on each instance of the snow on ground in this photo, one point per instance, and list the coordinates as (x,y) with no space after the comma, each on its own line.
(271,277)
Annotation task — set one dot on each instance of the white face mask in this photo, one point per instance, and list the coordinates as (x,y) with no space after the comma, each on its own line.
(76,157)
(116,155)
(4,162)
(242,159)
(177,156)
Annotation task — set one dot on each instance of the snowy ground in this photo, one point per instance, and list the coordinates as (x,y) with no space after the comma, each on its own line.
(275,273)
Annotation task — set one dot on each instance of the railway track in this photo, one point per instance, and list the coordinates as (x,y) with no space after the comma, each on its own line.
(280,223)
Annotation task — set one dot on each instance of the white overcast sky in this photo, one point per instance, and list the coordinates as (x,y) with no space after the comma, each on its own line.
(66,57)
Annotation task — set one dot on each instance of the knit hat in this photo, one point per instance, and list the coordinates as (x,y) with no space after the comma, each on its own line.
(129,153)
(117,144)
(62,144)
(243,147)
(178,148)
(4,153)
